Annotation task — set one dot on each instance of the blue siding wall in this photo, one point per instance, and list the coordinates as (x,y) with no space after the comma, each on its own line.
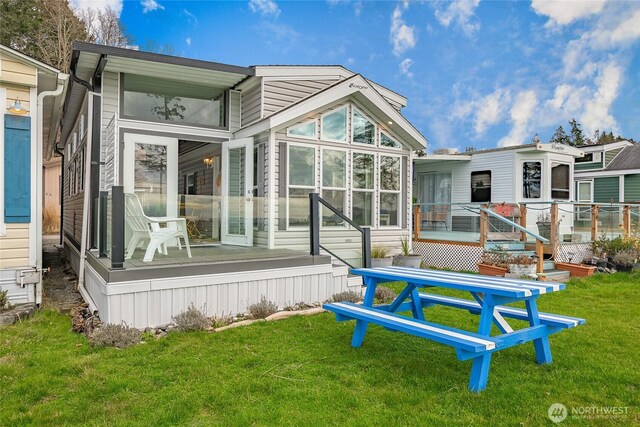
(17,169)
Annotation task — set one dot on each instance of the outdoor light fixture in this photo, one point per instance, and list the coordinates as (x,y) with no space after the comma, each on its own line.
(208,161)
(390,122)
(17,108)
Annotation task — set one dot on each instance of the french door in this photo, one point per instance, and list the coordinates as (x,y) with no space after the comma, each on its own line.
(151,171)
(237,192)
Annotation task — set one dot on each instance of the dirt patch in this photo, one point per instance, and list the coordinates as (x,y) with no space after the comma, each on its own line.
(60,282)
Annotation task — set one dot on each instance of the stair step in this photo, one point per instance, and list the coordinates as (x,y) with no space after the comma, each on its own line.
(514,252)
(354,281)
(549,265)
(554,276)
(490,246)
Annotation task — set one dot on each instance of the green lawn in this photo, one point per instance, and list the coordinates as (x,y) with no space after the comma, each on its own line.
(302,371)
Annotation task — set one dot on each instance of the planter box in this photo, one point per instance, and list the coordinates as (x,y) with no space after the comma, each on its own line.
(522,269)
(576,270)
(412,261)
(491,270)
(381,262)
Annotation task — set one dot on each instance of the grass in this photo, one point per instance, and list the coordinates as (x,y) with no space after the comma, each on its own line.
(302,371)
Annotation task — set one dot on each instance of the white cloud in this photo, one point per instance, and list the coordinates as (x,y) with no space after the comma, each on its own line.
(402,36)
(115,5)
(522,112)
(627,30)
(264,7)
(150,6)
(490,110)
(188,41)
(459,12)
(405,66)
(563,12)
(596,113)
(193,20)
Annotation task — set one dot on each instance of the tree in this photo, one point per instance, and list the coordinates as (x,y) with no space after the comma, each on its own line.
(104,27)
(560,137)
(535,139)
(577,138)
(20,20)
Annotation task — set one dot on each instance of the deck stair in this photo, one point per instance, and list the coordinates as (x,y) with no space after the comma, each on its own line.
(516,248)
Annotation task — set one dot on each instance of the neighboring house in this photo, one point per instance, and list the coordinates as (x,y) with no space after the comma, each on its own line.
(236,152)
(36,88)
(532,174)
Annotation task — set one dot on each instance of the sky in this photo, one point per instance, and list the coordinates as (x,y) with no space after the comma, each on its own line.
(476,73)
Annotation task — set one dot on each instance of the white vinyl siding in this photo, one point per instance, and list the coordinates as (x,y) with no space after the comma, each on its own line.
(251,105)
(279,94)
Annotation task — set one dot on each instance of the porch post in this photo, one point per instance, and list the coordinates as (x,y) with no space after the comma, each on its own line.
(555,228)
(102,225)
(416,222)
(626,221)
(483,227)
(314,224)
(117,226)
(523,221)
(366,247)
(595,211)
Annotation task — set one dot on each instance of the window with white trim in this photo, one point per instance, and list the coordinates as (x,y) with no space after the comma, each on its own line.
(334,125)
(387,141)
(480,186)
(560,184)
(390,186)
(531,180)
(363,187)
(334,184)
(301,181)
(305,130)
(363,129)
(583,195)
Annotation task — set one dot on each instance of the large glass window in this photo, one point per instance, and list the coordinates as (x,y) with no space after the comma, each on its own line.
(560,181)
(304,130)
(334,125)
(334,184)
(531,180)
(302,172)
(363,188)
(481,186)
(149,98)
(390,184)
(387,141)
(364,130)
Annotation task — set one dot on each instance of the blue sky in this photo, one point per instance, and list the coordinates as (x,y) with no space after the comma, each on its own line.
(476,73)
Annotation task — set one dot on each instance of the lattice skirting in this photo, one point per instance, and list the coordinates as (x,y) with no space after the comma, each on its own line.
(448,255)
(574,252)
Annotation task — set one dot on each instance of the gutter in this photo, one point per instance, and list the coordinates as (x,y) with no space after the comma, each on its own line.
(39,184)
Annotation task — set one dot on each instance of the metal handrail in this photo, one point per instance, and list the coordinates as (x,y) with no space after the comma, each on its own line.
(514,225)
(314,230)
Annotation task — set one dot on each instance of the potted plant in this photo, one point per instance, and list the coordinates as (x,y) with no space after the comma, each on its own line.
(379,257)
(544,225)
(406,257)
(624,260)
(493,264)
(521,265)
(580,270)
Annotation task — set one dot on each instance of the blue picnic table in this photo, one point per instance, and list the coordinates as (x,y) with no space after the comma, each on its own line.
(490,296)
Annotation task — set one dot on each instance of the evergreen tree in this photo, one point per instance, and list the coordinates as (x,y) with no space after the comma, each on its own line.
(577,138)
(535,139)
(560,137)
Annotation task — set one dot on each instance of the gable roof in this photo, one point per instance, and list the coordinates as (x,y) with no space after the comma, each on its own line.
(628,158)
(356,87)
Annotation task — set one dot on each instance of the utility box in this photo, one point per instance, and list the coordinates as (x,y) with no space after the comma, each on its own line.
(27,277)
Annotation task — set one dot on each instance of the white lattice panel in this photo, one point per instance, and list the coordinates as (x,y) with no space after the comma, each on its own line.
(448,255)
(574,252)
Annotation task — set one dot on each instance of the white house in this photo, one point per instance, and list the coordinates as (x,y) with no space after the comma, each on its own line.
(30,95)
(235,151)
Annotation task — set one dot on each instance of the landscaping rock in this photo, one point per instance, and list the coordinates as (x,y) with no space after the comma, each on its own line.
(235,325)
(17,313)
(285,314)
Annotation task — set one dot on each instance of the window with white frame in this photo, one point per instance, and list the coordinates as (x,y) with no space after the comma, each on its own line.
(362,188)
(334,125)
(301,181)
(560,184)
(305,130)
(390,186)
(480,186)
(334,184)
(531,180)
(387,141)
(583,195)
(363,129)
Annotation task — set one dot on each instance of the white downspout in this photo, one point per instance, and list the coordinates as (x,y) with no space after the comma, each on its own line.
(85,208)
(39,195)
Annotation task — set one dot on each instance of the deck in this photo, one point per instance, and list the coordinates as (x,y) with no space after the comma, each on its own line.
(215,259)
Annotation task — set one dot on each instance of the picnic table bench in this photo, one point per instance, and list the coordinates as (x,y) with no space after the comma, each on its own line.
(490,296)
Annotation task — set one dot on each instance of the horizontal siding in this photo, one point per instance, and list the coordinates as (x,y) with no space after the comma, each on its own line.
(109,112)
(587,166)
(632,188)
(16,72)
(72,216)
(606,189)
(610,155)
(251,107)
(234,110)
(14,246)
(13,92)
(15,293)
(280,94)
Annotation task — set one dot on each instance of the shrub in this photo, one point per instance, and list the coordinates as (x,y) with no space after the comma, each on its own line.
(112,335)
(4,300)
(221,321)
(384,294)
(521,260)
(379,252)
(348,296)
(625,258)
(263,309)
(191,320)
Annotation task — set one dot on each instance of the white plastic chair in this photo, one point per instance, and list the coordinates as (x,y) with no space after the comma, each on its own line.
(144,228)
